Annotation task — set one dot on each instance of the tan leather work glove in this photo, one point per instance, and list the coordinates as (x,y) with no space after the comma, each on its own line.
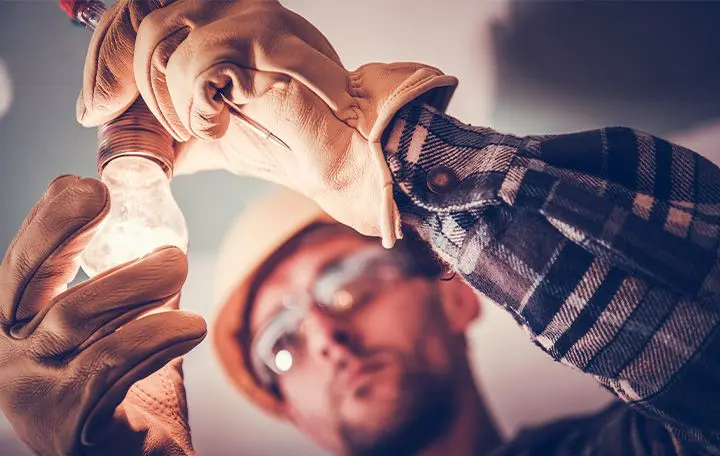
(69,356)
(285,75)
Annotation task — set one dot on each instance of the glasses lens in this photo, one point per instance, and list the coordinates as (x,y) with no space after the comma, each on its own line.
(283,352)
(359,278)
(345,286)
(278,346)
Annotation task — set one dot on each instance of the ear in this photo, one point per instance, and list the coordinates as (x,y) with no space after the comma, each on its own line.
(460,303)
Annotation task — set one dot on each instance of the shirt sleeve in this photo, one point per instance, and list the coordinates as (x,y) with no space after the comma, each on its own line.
(602,244)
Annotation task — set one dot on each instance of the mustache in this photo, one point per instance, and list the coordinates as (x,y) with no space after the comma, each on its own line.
(368,363)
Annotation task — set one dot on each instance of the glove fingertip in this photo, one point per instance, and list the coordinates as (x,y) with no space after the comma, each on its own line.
(184,328)
(196,326)
(81,110)
(60,183)
(91,198)
(93,117)
(100,111)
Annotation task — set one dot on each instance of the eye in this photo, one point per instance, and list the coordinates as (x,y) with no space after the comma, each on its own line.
(288,341)
(285,352)
(342,300)
(354,295)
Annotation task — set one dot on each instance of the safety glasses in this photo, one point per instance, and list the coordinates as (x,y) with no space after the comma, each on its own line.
(340,289)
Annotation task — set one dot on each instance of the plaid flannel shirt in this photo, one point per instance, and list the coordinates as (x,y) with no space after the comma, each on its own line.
(602,244)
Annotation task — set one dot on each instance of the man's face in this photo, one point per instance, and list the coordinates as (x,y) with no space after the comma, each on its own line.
(377,379)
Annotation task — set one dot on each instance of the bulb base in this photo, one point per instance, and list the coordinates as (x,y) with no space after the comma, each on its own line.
(135,133)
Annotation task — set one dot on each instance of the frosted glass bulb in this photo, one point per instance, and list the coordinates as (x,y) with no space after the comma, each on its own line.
(143,215)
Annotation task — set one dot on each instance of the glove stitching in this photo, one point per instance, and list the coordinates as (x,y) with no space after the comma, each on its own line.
(151,402)
(354,90)
(169,402)
(355,83)
(172,396)
(149,399)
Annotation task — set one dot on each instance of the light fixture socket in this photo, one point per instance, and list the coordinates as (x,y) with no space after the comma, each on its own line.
(136,133)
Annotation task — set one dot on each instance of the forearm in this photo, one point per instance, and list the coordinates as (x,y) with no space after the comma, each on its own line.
(603,248)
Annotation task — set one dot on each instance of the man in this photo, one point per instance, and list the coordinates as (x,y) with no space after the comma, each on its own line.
(363,349)
(602,244)
(360,347)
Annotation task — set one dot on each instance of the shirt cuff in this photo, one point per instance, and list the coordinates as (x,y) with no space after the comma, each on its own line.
(446,173)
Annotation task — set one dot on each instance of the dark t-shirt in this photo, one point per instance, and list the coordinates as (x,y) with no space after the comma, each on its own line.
(617,430)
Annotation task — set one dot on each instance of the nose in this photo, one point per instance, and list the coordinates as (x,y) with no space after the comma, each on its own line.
(327,338)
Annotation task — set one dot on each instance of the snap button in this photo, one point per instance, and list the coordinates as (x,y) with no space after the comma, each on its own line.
(441,180)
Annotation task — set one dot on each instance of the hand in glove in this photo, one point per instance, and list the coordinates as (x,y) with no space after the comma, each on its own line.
(69,356)
(283,74)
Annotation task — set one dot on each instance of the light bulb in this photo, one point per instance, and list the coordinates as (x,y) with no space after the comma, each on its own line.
(143,215)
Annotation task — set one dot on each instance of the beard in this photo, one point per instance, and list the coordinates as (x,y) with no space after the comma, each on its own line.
(422,413)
